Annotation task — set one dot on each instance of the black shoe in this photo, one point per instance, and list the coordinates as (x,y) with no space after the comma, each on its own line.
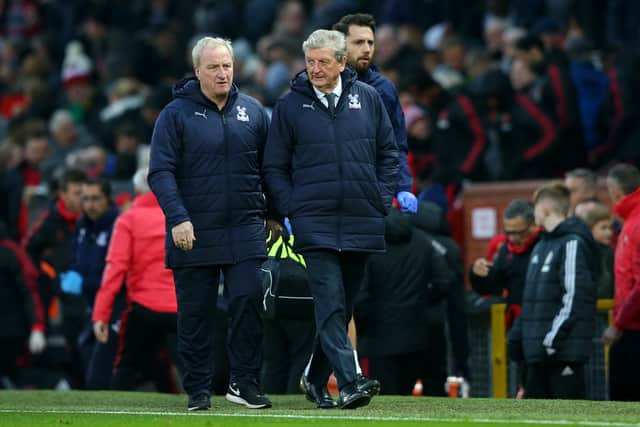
(199,403)
(368,385)
(351,398)
(317,395)
(247,395)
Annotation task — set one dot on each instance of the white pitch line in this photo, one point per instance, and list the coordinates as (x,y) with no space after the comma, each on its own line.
(330,417)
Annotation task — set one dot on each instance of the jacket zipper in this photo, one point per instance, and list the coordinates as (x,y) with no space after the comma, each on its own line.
(227,184)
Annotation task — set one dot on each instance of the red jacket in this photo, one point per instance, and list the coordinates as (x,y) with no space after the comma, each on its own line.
(137,251)
(626,308)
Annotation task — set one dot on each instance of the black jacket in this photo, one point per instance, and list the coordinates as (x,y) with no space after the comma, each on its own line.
(50,246)
(508,272)
(559,300)
(390,310)
(17,311)
(431,219)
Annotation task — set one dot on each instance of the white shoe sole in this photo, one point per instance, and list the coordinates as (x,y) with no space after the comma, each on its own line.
(240,401)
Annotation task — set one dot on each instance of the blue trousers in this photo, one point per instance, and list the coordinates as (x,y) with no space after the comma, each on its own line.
(197,293)
(334,280)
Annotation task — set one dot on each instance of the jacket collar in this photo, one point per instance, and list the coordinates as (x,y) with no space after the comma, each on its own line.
(629,205)
(145,200)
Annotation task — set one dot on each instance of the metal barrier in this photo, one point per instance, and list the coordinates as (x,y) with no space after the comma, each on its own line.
(495,376)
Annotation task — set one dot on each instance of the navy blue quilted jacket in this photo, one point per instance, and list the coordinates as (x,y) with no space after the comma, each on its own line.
(389,95)
(334,177)
(205,168)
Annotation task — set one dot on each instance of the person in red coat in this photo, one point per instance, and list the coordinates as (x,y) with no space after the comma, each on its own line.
(137,252)
(623,335)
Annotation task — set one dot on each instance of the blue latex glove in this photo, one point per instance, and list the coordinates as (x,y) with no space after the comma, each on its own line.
(408,202)
(71,282)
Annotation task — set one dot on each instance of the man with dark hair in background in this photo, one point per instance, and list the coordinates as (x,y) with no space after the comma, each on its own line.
(623,335)
(553,334)
(83,278)
(50,246)
(359,30)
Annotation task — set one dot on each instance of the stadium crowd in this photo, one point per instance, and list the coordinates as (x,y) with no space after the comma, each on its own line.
(496,90)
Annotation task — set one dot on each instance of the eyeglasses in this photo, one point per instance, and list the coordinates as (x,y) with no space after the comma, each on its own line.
(516,232)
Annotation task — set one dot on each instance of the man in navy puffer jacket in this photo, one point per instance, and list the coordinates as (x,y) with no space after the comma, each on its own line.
(330,163)
(206,154)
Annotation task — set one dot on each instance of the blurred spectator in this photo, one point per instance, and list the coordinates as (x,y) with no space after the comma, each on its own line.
(550,33)
(598,218)
(35,152)
(553,334)
(22,314)
(391,308)
(49,244)
(137,253)
(126,97)
(458,144)
(83,277)
(124,163)
(449,315)
(451,72)
(359,30)
(623,335)
(65,137)
(11,188)
(81,96)
(555,93)
(153,104)
(620,115)
(509,39)
(592,86)
(504,275)
(583,186)
(494,36)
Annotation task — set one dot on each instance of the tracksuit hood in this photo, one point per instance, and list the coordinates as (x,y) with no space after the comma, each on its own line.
(431,218)
(397,227)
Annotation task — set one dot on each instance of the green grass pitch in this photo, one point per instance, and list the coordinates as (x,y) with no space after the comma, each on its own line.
(84,408)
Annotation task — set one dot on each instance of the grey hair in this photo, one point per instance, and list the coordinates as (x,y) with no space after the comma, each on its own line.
(624,176)
(587,175)
(196,52)
(140,184)
(59,117)
(520,208)
(327,38)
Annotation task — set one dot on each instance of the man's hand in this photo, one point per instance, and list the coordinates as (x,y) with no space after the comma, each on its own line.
(407,201)
(611,335)
(481,267)
(101,331)
(274,231)
(183,236)
(37,342)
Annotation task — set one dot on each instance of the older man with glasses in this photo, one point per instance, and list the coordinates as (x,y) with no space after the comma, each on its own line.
(505,274)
